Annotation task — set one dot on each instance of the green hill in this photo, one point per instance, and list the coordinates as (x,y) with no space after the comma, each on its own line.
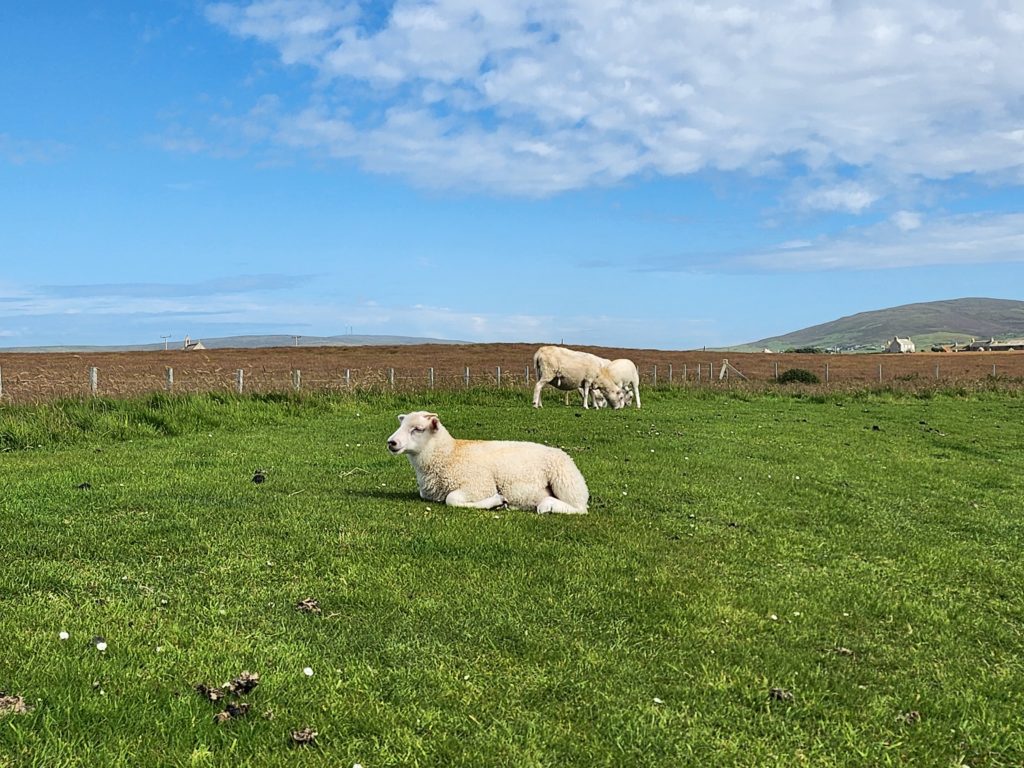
(927,323)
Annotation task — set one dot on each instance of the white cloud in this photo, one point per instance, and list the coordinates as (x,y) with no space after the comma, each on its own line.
(905,241)
(530,98)
(906,220)
(848,197)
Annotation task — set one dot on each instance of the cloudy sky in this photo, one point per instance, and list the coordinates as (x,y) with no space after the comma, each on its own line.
(654,173)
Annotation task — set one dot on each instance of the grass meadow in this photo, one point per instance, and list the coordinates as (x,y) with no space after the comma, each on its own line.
(763,579)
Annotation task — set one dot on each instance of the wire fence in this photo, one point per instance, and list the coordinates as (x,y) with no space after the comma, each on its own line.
(126,378)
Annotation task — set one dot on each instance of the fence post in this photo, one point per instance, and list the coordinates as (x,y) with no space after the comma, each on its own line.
(94,380)
(499,375)
(348,378)
(170,379)
(993,369)
(711,372)
(467,375)
(654,377)
(240,380)
(936,370)
(670,374)
(1,382)
(296,379)
(776,370)
(879,371)
(391,376)
(826,373)
(684,373)
(430,378)
(699,368)
(527,374)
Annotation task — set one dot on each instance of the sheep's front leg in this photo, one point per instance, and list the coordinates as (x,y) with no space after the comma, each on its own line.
(458,498)
(586,394)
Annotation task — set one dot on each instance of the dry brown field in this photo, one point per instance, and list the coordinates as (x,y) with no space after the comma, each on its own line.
(41,377)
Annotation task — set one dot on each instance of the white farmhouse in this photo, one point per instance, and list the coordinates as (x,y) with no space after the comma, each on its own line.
(900,345)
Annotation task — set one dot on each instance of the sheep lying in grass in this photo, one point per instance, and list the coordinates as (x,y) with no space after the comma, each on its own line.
(569,369)
(485,474)
(625,375)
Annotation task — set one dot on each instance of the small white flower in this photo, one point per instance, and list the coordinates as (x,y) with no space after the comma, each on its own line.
(658,701)
(63,635)
(774,617)
(308,671)
(101,646)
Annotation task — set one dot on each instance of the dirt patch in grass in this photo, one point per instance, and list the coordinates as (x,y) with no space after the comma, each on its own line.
(12,705)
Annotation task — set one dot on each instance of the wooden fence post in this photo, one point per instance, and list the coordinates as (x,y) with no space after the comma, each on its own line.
(993,369)
(391,376)
(826,373)
(776,370)
(240,380)
(94,380)
(654,376)
(348,378)
(670,374)
(684,373)
(296,379)
(467,375)
(936,370)
(879,371)
(170,379)
(498,375)
(527,374)
(430,378)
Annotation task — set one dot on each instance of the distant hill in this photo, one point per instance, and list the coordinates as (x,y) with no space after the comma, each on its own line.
(927,323)
(250,342)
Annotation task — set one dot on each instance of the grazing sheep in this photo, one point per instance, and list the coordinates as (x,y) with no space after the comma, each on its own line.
(625,374)
(485,474)
(569,369)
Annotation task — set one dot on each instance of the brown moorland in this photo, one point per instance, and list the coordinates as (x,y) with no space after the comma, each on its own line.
(41,377)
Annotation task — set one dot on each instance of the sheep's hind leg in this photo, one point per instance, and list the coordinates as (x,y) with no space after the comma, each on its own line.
(458,499)
(550,504)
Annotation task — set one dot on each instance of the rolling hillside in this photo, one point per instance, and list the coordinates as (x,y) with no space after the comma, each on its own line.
(927,323)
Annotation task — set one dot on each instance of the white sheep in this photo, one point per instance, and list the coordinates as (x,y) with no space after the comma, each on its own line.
(569,369)
(625,375)
(485,474)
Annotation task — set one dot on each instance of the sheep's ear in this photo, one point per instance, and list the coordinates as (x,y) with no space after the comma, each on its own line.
(434,421)
(401,417)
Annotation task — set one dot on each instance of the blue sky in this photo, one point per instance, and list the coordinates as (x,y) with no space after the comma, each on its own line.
(650,174)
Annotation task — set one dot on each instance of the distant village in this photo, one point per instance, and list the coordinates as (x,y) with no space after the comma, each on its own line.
(901,345)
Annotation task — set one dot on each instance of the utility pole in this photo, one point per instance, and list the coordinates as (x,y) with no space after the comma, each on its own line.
(165,338)
(296,340)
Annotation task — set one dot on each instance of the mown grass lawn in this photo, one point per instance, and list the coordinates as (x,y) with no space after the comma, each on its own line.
(762,580)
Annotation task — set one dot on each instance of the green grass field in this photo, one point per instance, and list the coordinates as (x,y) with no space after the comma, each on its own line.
(859,554)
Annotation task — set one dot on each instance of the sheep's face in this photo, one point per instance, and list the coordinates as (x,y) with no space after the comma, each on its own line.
(601,401)
(613,396)
(414,432)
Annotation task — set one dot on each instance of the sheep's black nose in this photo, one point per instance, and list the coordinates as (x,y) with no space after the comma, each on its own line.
(392,444)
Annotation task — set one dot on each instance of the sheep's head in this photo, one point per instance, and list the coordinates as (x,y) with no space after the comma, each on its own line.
(611,392)
(414,432)
(600,401)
